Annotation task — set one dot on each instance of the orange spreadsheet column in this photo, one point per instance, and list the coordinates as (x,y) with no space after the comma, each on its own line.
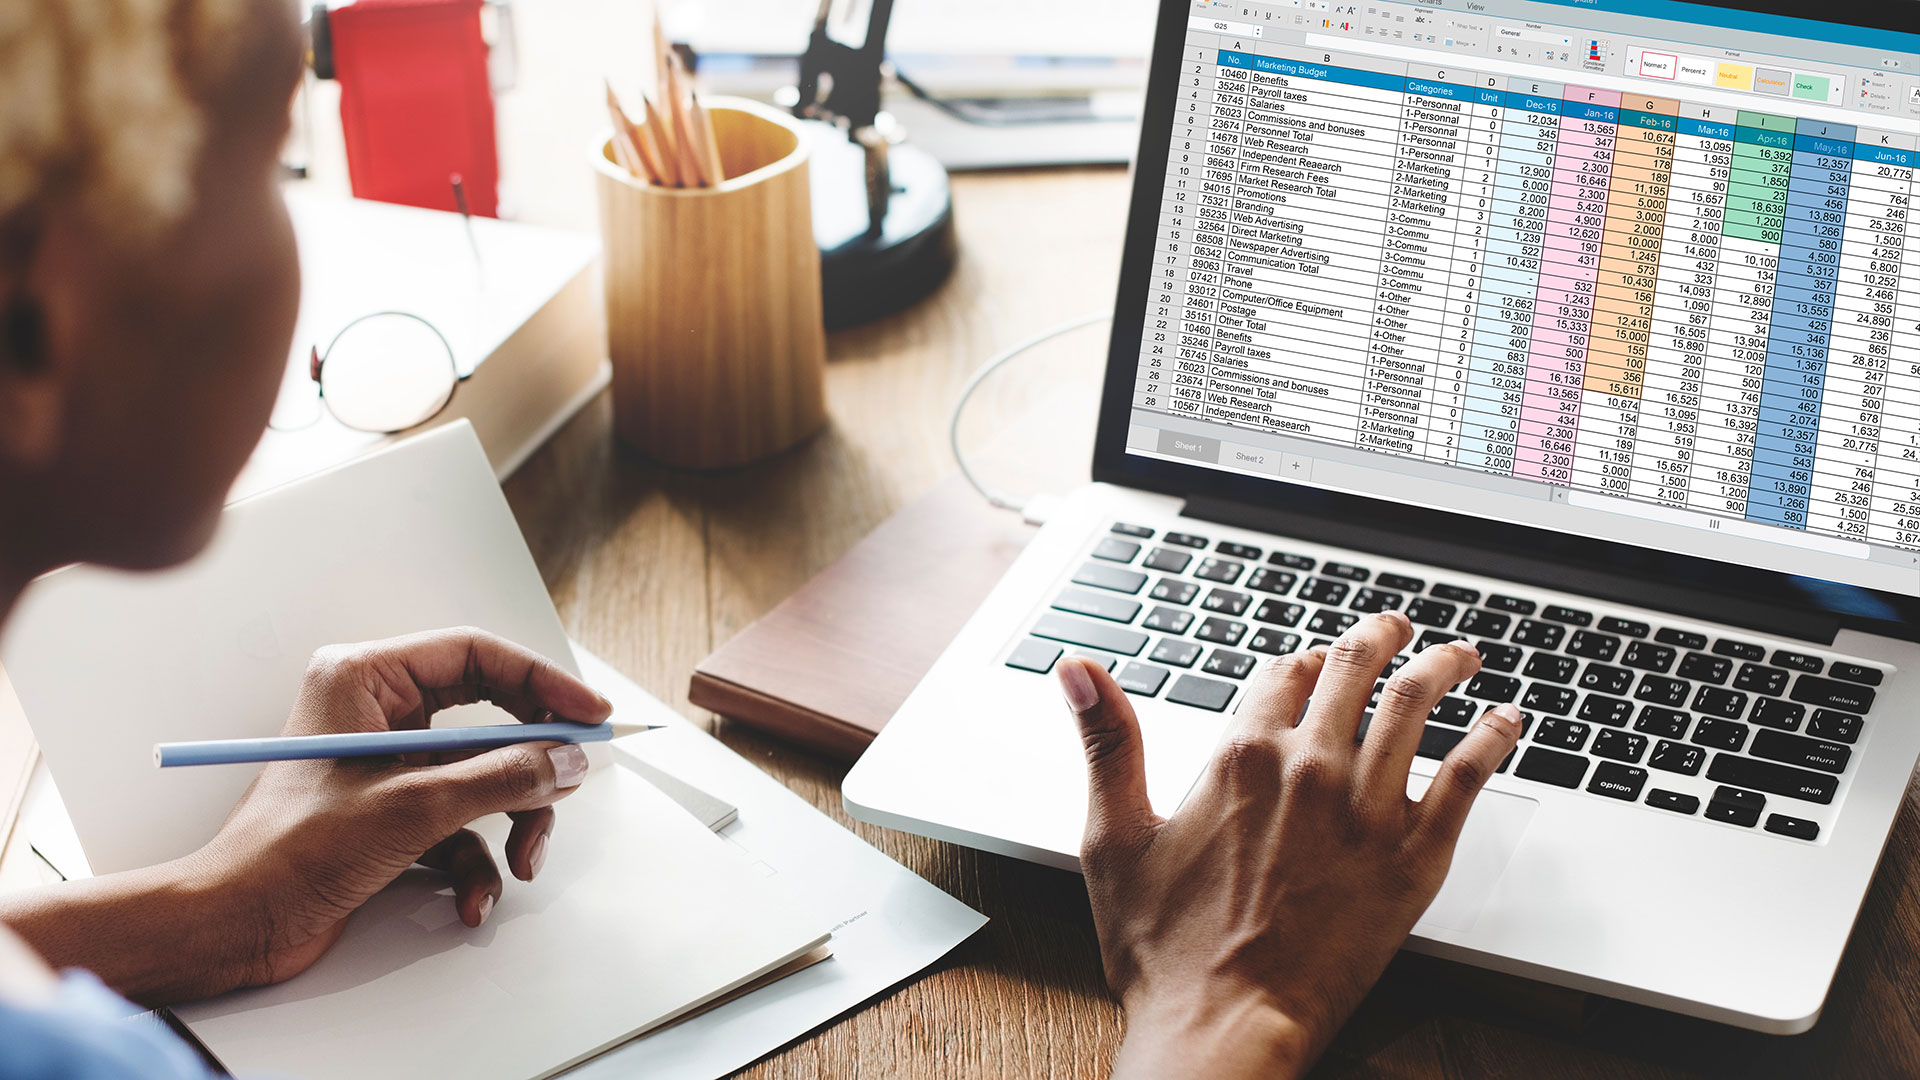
(1623,298)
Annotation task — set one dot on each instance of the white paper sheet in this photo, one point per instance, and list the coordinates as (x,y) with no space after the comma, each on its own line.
(888,922)
(415,537)
(639,915)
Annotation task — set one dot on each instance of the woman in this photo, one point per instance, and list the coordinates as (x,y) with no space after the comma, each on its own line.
(148,288)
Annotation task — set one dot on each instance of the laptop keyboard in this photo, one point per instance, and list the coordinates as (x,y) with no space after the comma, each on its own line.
(1676,719)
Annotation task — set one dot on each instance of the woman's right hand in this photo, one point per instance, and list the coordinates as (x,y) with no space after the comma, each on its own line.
(1241,932)
(311,841)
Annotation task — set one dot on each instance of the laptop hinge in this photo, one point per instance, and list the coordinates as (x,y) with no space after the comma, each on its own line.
(1780,620)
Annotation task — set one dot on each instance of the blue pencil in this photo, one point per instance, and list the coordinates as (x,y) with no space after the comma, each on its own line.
(380,743)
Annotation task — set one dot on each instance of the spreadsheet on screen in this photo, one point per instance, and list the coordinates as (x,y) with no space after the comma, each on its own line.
(1562,265)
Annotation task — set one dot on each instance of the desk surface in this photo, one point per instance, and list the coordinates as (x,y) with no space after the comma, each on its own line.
(652,569)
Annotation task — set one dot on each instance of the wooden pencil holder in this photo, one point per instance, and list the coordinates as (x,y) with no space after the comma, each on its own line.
(713,299)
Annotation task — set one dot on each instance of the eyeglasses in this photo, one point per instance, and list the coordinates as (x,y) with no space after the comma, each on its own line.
(382,373)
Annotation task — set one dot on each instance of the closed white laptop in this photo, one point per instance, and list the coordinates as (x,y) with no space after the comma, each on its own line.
(1579,344)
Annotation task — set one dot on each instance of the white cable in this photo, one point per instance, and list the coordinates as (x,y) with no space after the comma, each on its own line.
(994,497)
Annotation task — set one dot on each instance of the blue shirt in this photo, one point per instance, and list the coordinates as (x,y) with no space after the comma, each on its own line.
(84,1032)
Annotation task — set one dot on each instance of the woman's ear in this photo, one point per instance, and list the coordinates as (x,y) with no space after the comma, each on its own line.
(32,388)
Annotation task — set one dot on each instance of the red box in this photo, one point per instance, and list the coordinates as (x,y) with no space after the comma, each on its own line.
(415,102)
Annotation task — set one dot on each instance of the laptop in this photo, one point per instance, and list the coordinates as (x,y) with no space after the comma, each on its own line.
(1589,332)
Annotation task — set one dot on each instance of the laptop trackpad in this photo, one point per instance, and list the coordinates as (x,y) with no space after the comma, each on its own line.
(1493,830)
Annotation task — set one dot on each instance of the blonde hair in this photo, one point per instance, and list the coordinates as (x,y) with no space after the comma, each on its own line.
(101,104)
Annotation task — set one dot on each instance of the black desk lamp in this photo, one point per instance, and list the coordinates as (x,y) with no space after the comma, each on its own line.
(888,241)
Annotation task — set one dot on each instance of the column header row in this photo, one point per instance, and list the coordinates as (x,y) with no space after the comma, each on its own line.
(1605,106)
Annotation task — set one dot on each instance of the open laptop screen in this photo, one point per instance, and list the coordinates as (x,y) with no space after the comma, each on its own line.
(1634,270)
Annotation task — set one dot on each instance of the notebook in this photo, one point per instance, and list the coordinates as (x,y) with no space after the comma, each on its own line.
(784,674)
(641,913)
(18,755)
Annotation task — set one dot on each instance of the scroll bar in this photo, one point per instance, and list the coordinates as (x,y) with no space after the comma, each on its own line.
(1732,526)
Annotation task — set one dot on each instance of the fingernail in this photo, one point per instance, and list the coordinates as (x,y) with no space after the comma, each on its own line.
(486,908)
(1077,685)
(569,765)
(1509,714)
(537,857)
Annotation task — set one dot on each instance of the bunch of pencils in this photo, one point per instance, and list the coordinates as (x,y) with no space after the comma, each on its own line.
(673,144)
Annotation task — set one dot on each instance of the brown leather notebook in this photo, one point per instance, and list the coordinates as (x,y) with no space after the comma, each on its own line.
(835,660)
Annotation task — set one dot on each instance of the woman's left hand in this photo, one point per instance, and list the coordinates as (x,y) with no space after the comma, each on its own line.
(311,841)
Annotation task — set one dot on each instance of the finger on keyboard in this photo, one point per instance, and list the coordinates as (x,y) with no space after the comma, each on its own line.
(1401,717)
(1277,694)
(1465,770)
(1354,662)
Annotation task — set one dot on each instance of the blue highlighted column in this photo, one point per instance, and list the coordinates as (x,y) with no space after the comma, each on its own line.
(1503,323)
(1802,324)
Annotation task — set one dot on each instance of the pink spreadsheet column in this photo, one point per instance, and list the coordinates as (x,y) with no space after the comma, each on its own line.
(1563,307)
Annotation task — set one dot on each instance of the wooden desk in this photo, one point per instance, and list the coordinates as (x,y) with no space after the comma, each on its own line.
(652,569)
